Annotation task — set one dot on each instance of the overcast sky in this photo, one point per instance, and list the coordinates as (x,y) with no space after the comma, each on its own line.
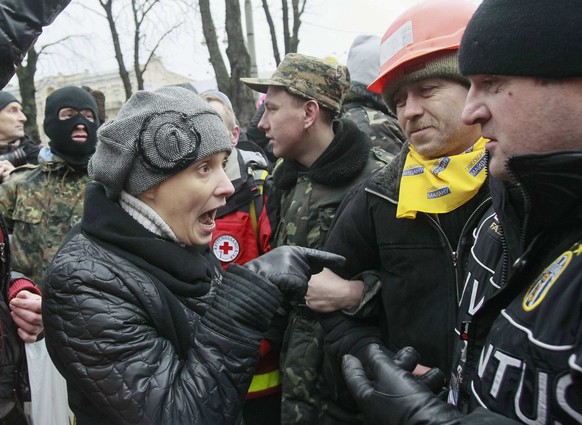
(328,29)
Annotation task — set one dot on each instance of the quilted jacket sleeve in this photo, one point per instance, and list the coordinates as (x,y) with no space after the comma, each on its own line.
(101,317)
(21,22)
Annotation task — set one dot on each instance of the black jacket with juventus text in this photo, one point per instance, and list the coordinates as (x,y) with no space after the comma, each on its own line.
(520,329)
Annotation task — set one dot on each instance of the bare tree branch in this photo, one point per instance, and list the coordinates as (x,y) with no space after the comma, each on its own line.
(286,37)
(46,46)
(155,48)
(240,63)
(216,60)
(107,6)
(297,12)
(274,42)
(25,74)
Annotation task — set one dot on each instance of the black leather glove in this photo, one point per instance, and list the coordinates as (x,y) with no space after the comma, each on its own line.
(291,267)
(407,359)
(391,395)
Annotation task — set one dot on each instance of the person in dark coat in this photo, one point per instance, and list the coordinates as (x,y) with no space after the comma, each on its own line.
(518,357)
(16,148)
(20,323)
(21,22)
(406,229)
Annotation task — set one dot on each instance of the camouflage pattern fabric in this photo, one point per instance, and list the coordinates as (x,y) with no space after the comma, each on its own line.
(308,77)
(372,116)
(382,128)
(41,207)
(305,393)
(307,211)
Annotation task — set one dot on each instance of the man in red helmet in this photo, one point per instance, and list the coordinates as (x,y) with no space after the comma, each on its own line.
(518,357)
(406,230)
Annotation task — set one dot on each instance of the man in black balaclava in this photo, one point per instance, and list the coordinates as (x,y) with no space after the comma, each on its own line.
(71,123)
(41,205)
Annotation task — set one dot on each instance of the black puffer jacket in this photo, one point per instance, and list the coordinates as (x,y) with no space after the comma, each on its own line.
(419,262)
(146,331)
(21,22)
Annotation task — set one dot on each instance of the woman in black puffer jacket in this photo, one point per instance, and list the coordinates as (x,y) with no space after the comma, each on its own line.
(139,317)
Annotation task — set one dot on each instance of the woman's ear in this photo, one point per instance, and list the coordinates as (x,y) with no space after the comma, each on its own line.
(149,195)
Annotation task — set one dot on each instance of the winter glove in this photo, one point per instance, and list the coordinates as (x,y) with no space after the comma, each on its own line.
(345,335)
(291,267)
(392,395)
(407,359)
(243,306)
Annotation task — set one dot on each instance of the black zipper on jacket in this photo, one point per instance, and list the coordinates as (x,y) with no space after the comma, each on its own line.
(440,230)
(463,230)
(526,206)
(454,254)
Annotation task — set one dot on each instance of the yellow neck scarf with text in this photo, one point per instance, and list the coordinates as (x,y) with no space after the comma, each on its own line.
(437,186)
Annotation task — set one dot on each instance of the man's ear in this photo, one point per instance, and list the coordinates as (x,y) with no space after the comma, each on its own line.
(311,108)
(235,135)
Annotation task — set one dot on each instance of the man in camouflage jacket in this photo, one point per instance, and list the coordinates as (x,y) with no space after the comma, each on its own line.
(43,204)
(365,108)
(321,160)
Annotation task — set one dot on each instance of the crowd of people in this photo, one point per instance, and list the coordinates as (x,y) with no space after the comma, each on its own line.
(396,240)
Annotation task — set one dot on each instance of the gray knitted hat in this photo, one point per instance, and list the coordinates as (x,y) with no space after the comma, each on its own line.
(364,59)
(443,64)
(6,99)
(155,136)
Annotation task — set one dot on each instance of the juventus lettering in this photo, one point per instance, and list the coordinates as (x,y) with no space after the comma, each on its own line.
(529,354)
(503,365)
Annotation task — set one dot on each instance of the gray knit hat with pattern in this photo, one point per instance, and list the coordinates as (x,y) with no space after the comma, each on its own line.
(155,136)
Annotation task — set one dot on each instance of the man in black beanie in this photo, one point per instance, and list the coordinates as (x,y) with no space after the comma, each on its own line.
(519,352)
(15,147)
(42,205)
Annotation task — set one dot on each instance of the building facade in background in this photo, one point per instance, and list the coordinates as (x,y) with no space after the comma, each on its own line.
(155,76)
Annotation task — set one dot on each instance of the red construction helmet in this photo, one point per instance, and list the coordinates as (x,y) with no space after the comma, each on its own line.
(424,29)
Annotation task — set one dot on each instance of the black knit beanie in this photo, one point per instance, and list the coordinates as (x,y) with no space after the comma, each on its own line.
(535,38)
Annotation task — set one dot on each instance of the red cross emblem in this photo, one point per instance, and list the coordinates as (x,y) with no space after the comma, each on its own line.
(226,248)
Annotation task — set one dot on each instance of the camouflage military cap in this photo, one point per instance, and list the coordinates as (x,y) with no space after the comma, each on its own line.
(308,77)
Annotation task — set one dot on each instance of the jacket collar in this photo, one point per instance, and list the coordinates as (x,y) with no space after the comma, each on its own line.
(185,271)
(361,96)
(388,178)
(546,192)
(343,160)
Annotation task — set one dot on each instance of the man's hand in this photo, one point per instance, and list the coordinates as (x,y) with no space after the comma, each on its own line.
(26,312)
(388,394)
(329,292)
(6,168)
(291,267)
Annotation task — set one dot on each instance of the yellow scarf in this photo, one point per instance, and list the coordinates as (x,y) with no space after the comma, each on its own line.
(440,185)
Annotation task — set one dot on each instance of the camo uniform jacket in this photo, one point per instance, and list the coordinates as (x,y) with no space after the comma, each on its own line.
(41,207)
(308,202)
